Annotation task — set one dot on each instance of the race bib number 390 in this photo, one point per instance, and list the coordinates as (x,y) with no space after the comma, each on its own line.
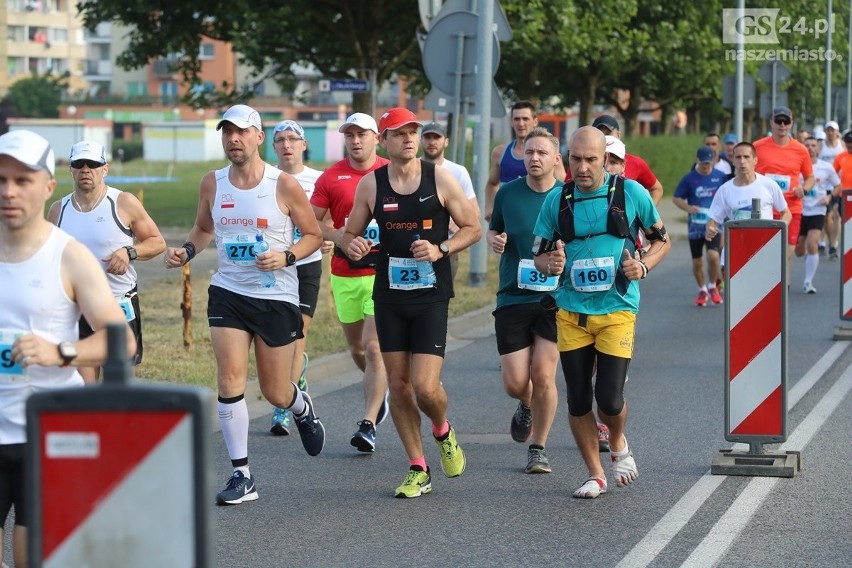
(593,274)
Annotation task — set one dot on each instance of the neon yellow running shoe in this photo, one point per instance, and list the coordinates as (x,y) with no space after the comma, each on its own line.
(452,456)
(417,482)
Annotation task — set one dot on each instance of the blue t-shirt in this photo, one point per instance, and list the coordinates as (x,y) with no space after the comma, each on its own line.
(699,190)
(592,263)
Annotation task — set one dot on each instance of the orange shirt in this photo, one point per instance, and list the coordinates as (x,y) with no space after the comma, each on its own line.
(843,166)
(784,164)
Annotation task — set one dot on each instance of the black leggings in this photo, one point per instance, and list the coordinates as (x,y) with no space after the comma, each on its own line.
(578,367)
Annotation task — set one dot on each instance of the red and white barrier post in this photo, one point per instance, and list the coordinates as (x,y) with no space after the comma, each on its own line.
(846,259)
(755,347)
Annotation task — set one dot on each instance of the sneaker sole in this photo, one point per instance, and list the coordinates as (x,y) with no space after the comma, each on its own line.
(424,489)
(279,430)
(538,469)
(362,445)
(253,496)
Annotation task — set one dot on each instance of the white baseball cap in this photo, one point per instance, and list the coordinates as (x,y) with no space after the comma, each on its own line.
(30,149)
(360,120)
(832,124)
(87,150)
(615,147)
(241,116)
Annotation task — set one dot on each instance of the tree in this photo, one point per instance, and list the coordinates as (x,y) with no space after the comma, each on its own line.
(38,96)
(363,40)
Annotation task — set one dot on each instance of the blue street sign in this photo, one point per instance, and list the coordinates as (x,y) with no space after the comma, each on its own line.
(354,85)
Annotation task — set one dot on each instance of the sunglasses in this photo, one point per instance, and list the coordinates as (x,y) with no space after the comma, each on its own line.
(91,164)
(783,121)
(290,139)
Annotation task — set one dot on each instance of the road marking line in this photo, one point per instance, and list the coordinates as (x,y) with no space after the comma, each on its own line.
(647,549)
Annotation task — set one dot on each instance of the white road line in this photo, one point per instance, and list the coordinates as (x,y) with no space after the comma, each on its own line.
(647,549)
(720,538)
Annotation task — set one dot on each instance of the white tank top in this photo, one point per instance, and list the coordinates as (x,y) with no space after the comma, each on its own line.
(235,219)
(103,233)
(33,300)
(307,178)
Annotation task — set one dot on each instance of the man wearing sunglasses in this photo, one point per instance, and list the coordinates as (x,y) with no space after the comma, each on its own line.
(114,225)
(783,159)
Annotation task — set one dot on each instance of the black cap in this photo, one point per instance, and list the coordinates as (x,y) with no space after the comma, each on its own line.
(433,127)
(782,111)
(848,136)
(606,121)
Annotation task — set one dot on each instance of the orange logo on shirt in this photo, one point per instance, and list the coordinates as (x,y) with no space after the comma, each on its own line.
(427,223)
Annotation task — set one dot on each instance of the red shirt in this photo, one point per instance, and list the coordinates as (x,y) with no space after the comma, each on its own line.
(635,168)
(784,164)
(335,190)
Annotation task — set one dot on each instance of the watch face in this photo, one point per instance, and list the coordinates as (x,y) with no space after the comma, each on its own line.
(67,350)
(445,248)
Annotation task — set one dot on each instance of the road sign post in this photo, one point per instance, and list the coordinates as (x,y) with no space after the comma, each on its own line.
(756,349)
(845,333)
(118,474)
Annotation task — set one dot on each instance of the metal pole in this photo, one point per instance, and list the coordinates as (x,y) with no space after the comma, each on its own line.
(482,141)
(849,73)
(828,67)
(774,82)
(454,132)
(374,95)
(738,89)
(755,208)
(462,132)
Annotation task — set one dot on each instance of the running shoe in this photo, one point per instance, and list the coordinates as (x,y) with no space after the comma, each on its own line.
(303,378)
(365,437)
(280,421)
(809,288)
(624,467)
(593,487)
(521,425)
(238,489)
(417,482)
(384,409)
(832,253)
(715,296)
(311,429)
(603,437)
(822,251)
(537,461)
(452,456)
(701,300)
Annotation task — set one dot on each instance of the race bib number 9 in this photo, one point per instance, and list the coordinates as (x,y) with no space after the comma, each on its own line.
(10,371)
(593,274)
(408,274)
(240,250)
(529,278)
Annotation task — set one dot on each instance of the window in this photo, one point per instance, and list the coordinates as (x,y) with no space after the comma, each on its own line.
(16,65)
(17,33)
(206,51)
(137,88)
(59,35)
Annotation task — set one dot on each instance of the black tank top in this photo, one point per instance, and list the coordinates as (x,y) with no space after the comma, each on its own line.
(400,217)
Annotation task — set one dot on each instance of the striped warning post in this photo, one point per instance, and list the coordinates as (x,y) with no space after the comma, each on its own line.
(756,338)
(846,258)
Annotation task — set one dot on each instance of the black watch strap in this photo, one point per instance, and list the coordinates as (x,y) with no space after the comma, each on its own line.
(131,253)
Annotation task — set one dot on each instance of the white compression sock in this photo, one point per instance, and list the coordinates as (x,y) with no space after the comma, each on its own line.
(234,421)
(811,263)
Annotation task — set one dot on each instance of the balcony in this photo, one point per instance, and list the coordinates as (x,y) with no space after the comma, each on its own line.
(164,68)
(97,69)
(101,35)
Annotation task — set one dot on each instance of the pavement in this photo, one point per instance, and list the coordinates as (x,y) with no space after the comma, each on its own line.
(333,366)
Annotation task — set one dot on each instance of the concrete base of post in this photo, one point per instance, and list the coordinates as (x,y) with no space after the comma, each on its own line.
(842,334)
(766,464)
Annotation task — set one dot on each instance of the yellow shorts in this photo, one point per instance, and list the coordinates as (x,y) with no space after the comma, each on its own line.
(353,297)
(610,333)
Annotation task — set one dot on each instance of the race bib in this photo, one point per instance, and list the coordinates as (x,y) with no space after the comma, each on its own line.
(701,217)
(10,371)
(740,214)
(297,235)
(593,274)
(239,249)
(371,233)
(529,278)
(782,181)
(127,307)
(408,274)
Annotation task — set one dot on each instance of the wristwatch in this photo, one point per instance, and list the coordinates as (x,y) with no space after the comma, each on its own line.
(444,248)
(68,352)
(290,258)
(131,253)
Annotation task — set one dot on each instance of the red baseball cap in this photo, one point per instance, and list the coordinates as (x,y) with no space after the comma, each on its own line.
(397,118)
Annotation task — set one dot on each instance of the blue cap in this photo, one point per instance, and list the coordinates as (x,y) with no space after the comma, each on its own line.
(730,138)
(290,125)
(705,155)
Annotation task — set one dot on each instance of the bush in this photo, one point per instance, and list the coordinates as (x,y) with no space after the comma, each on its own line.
(132,150)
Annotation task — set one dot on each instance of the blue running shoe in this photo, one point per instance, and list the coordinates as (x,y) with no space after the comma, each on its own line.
(238,489)
(311,429)
(384,409)
(365,438)
(280,421)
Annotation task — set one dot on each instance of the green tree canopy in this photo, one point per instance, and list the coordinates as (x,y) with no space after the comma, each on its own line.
(38,96)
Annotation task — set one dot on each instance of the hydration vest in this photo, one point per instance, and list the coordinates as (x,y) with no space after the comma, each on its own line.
(617,224)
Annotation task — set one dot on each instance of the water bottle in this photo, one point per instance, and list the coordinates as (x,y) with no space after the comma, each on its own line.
(267,278)
(425,268)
